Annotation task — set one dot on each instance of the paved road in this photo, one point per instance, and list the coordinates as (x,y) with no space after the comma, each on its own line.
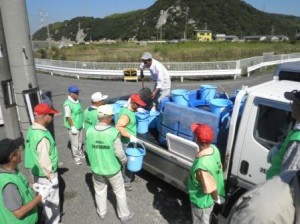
(152,200)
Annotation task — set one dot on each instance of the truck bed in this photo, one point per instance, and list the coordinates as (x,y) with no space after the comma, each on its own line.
(163,163)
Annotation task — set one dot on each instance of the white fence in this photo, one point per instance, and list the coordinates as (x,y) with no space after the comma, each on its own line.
(100,70)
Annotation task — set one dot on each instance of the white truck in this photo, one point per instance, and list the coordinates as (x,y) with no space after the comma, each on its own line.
(259,118)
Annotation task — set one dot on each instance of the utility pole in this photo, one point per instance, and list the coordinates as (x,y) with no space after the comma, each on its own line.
(205,26)
(20,56)
(42,17)
(272,30)
(186,22)
(7,99)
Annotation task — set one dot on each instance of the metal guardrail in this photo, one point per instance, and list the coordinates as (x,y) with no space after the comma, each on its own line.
(101,70)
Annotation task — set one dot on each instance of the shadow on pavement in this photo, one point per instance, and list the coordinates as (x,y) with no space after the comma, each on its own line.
(166,197)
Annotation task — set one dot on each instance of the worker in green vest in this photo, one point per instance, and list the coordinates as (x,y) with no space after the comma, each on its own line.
(106,156)
(127,126)
(287,156)
(18,205)
(90,118)
(206,180)
(41,157)
(73,121)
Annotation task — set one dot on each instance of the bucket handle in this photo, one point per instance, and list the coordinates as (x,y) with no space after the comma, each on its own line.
(186,97)
(135,144)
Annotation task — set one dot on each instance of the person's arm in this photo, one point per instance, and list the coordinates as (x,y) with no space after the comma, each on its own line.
(68,115)
(119,151)
(43,150)
(122,122)
(12,200)
(23,210)
(208,183)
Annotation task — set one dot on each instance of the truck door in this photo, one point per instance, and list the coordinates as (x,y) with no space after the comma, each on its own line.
(268,124)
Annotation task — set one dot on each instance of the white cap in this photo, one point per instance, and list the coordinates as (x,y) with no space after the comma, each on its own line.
(105,110)
(146,56)
(97,96)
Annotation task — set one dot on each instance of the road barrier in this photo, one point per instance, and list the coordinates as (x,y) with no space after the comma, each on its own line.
(103,70)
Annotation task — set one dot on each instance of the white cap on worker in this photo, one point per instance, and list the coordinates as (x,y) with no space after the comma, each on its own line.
(97,96)
(146,56)
(105,110)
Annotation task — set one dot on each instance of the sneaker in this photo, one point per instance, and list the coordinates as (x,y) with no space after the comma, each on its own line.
(82,156)
(127,218)
(101,217)
(128,188)
(137,178)
(77,161)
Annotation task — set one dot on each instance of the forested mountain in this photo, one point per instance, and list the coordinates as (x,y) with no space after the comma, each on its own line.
(170,19)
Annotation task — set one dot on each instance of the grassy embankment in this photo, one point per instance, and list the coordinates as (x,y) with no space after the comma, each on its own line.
(179,52)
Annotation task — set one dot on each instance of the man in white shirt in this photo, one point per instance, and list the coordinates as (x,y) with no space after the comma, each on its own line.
(159,75)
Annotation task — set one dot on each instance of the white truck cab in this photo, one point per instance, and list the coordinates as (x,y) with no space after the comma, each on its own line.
(260,118)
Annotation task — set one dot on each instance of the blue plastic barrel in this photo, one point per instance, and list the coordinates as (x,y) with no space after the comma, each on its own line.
(135,153)
(180,96)
(153,118)
(218,105)
(207,92)
(142,119)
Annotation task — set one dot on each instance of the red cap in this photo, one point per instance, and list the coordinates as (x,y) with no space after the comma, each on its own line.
(203,132)
(44,108)
(136,98)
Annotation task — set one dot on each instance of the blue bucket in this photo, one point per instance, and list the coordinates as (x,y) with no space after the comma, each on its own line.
(207,92)
(116,110)
(121,103)
(135,153)
(142,122)
(180,96)
(218,105)
(153,118)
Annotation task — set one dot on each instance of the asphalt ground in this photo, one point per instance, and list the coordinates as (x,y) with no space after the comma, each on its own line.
(152,200)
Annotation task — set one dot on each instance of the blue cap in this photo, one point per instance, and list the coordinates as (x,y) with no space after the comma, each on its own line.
(73,89)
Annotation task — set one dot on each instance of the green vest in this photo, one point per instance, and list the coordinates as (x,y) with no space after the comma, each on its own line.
(101,151)
(33,138)
(212,164)
(131,126)
(276,165)
(76,114)
(90,117)
(26,194)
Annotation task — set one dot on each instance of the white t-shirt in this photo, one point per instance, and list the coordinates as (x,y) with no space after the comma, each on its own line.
(159,74)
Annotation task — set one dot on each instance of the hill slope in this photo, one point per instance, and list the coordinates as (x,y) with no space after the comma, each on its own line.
(169,19)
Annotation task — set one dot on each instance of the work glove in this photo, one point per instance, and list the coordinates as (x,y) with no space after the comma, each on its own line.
(220,200)
(74,131)
(54,181)
(133,139)
(43,190)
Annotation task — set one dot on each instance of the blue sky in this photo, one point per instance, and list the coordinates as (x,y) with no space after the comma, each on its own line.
(49,11)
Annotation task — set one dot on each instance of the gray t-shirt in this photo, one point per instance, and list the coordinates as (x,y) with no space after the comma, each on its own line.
(270,202)
(11,197)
